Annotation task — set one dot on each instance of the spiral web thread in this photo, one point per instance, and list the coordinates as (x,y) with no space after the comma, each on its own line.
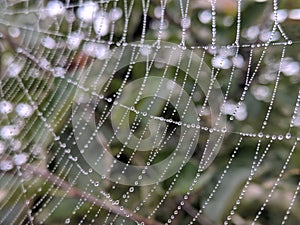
(52,51)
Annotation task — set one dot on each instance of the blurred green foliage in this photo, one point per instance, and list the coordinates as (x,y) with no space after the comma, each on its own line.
(54,98)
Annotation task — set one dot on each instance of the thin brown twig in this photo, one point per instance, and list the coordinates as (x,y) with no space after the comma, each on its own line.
(75,192)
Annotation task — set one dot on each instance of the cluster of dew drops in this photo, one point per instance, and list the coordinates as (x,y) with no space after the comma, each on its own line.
(10,142)
(10,129)
(88,13)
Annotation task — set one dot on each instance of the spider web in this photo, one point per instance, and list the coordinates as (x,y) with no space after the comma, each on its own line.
(105,119)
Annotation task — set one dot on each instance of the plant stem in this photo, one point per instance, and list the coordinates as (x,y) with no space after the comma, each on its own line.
(75,192)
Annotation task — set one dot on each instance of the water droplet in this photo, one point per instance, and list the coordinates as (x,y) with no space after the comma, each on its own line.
(205,16)
(59,72)
(290,67)
(224,130)
(101,24)
(73,158)
(116,202)
(67,221)
(24,110)
(261,92)
(6,107)
(221,62)
(14,32)
(9,131)
(48,42)
(186,22)
(55,8)
(20,159)
(158,12)
(36,150)
(14,69)
(6,165)
(34,72)
(56,138)
(288,136)
(62,145)
(280,137)
(131,189)
(87,11)
(115,14)
(44,64)
(99,51)
(15,145)
(74,40)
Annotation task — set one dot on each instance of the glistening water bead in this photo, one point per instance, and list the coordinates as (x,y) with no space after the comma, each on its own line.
(24,110)
(55,8)
(48,42)
(20,159)
(9,131)
(101,23)
(87,11)
(6,165)
(6,107)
